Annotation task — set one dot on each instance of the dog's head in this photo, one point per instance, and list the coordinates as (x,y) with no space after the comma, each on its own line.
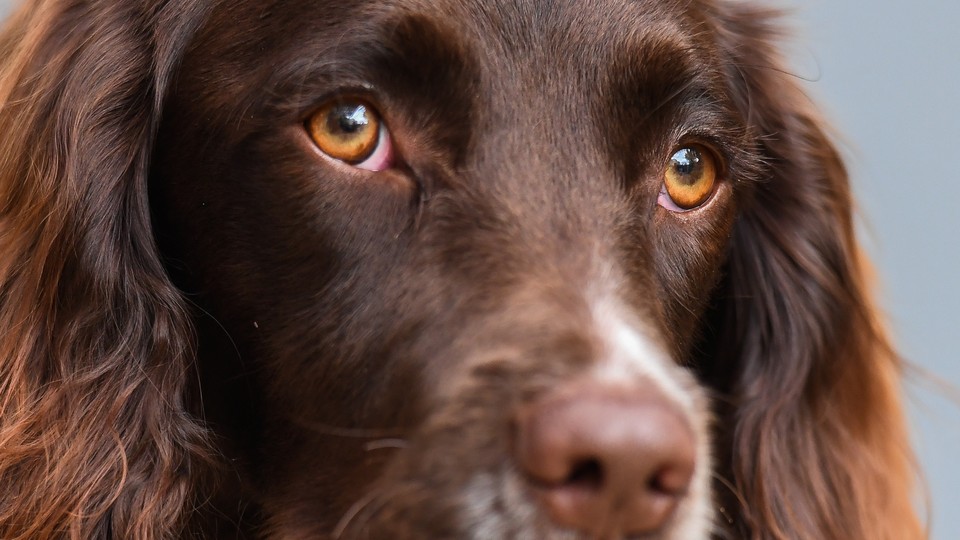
(456,269)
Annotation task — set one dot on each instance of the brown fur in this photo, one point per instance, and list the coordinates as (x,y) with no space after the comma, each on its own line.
(205,332)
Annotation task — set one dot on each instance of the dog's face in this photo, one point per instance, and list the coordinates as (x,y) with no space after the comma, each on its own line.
(432,237)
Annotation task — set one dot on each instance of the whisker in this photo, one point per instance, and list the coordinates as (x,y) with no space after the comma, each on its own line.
(350,433)
(363,505)
(733,489)
(381,444)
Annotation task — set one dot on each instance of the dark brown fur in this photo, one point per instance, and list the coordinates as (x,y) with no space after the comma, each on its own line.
(205,331)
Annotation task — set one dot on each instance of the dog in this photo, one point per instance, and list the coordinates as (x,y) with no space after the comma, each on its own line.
(431,269)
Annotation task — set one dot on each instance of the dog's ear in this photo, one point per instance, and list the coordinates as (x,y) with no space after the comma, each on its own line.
(816,440)
(95,437)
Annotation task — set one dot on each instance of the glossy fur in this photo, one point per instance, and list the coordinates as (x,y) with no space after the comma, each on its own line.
(207,329)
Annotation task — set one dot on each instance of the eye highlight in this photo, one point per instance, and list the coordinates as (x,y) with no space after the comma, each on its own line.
(689,179)
(351,131)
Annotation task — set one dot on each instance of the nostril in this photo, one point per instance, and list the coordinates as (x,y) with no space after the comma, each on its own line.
(672,481)
(595,455)
(586,474)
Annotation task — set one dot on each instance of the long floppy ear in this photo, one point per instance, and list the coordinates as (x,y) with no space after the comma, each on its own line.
(95,437)
(815,440)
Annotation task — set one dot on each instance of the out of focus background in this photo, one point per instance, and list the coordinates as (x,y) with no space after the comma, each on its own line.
(888,73)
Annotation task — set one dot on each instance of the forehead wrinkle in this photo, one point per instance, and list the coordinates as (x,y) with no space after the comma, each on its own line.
(643,49)
(566,46)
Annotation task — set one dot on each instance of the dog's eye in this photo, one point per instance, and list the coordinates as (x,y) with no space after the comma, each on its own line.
(352,132)
(689,179)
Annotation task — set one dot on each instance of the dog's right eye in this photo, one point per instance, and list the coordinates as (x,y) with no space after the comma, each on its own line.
(352,131)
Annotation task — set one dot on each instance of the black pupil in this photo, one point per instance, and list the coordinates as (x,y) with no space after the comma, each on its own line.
(348,119)
(687,162)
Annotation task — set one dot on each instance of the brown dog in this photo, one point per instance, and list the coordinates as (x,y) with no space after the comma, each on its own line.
(430,269)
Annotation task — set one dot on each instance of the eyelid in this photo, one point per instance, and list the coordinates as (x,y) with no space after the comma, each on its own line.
(712,142)
(382,157)
(365,92)
(719,148)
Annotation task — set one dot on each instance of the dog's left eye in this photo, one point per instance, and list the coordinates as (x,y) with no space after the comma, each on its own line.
(352,131)
(689,179)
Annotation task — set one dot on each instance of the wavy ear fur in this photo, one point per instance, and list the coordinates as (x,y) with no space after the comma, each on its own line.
(95,437)
(819,448)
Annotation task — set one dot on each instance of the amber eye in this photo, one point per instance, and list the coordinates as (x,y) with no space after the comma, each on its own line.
(690,176)
(346,130)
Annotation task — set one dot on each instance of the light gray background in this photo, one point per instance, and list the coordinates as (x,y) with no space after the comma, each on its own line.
(888,74)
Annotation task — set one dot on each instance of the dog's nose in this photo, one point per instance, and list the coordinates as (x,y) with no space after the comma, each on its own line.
(606,462)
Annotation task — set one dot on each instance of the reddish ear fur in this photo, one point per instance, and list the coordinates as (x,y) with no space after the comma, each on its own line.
(95,440)
(820,449)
